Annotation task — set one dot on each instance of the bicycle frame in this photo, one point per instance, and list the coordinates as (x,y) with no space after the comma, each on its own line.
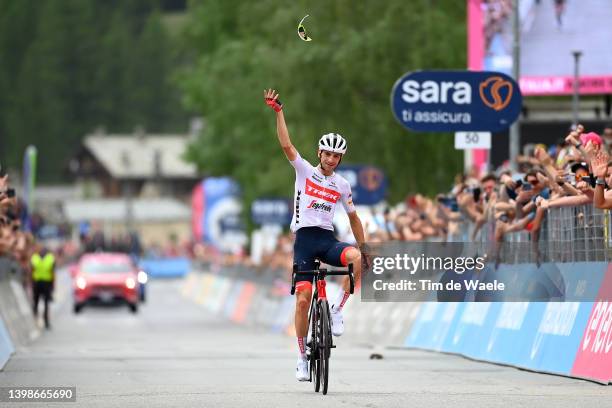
(319,322)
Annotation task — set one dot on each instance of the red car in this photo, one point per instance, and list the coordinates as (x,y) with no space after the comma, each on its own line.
(105,277)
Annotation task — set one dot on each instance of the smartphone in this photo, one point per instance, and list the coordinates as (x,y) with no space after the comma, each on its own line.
(476,192)
(527,187)
(10,192)
(518,183)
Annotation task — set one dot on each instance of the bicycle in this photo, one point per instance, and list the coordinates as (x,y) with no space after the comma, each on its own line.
(319,323)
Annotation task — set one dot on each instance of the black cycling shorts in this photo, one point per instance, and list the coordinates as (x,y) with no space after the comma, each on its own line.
(313,243)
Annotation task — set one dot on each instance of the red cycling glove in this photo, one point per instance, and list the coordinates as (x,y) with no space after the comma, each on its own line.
(274,104)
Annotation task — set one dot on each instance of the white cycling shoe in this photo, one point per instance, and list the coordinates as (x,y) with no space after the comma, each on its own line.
(337,326)
(301,371)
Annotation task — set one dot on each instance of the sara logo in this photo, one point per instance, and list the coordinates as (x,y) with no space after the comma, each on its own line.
(451,101)
(371,178)
(490,92)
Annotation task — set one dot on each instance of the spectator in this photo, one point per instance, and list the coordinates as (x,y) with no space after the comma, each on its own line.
(607,137)
(43,278)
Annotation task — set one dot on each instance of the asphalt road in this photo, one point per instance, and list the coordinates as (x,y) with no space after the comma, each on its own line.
(174,354)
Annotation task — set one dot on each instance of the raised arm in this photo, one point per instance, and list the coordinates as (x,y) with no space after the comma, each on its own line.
(271,98)
(574,139)
(600,171)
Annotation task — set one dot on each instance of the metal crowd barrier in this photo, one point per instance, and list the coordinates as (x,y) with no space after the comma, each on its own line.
(567,234)
(262,274)
(460,231)
(577,234)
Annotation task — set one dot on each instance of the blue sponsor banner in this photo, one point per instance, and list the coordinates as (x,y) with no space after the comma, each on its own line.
(510,332)
(221,209)
(557,329)
(433,324)
(271,211)
(471,327)
(166,267)
(450,101)
(368,183)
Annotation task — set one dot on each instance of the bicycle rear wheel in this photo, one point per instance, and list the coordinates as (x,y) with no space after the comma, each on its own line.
(324,343)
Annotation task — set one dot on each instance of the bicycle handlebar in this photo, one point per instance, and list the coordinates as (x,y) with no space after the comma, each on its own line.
(325,272)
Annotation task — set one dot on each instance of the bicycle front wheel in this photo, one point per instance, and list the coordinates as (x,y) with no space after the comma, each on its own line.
(315,367)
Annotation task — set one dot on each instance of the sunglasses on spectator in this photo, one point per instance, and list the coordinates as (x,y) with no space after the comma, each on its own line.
(579,177)
(533,182)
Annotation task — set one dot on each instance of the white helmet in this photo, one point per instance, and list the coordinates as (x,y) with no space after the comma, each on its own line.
(333,142)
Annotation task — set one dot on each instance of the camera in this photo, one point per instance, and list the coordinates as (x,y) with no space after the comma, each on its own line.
(589,180)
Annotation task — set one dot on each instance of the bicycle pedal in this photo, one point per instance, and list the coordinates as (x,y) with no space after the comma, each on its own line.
(332,346)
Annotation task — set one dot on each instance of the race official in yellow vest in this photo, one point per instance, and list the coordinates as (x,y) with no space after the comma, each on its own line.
(43,281)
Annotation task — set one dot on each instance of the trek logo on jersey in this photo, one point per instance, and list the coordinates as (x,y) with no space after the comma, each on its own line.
(315,190)
(319,206)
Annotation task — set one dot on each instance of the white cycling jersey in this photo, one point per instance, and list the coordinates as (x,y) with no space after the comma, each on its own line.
(316,196)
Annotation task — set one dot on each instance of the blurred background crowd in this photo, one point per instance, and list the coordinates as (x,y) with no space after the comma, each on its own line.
(499,206)
(135,141)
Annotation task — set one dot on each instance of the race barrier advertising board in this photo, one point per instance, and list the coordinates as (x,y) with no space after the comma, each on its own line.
(571,338)
(6,345)
(594,354)
(566,338)
(17,325)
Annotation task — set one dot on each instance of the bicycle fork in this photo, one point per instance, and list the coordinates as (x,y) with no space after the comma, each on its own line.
(321,293)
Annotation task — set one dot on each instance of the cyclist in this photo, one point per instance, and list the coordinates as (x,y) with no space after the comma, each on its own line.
(317,190)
